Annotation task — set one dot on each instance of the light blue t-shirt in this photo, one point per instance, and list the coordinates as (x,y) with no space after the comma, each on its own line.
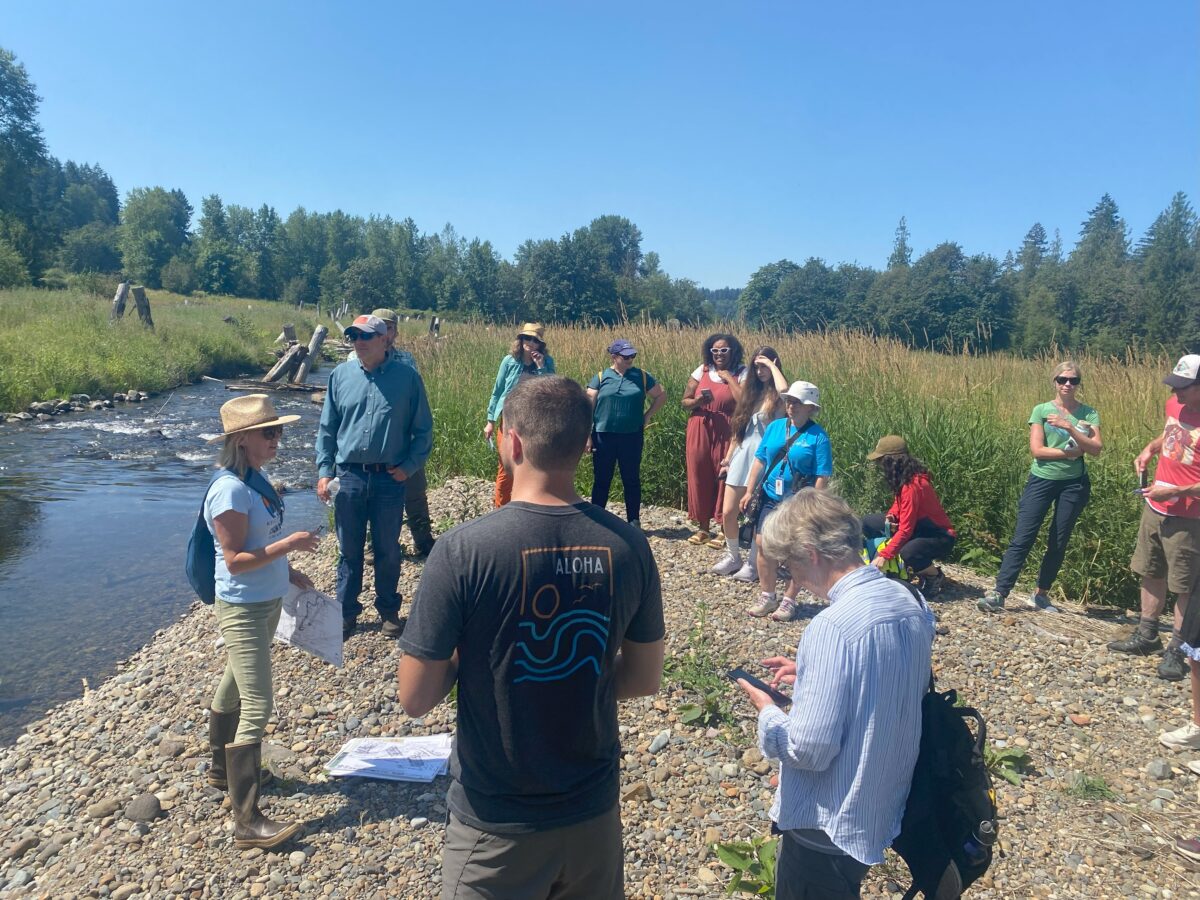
(258,585)
(810,457)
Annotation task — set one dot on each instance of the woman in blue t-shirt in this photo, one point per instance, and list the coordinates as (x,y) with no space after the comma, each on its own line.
(619,420)
(245,516)
(794,453)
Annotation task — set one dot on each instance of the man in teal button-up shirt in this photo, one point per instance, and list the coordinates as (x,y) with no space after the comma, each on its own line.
(376,430)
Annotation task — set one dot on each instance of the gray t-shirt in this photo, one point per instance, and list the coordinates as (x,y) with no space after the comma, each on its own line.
(537,600)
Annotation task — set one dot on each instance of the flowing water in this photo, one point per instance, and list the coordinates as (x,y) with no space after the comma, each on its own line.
(95,512)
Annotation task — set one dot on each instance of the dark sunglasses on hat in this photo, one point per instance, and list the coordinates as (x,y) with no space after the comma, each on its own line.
(1067,379)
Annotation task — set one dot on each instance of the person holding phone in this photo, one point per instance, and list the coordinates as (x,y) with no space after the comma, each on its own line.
(848,747)
(710,397)
(1061,432)
(526,358)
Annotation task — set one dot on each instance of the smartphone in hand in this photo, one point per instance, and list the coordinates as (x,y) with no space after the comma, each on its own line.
(780,699)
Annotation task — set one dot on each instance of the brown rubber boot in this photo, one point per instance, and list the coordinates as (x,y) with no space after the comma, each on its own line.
(222,730)
(251,827)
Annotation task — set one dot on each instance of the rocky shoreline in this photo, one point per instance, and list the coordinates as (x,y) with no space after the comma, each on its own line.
(105,796)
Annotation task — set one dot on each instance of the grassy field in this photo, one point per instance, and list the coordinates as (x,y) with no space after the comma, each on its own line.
(965,416)
(55,343)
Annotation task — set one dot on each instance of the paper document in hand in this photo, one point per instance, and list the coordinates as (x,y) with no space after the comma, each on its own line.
(312,621)
(396,759)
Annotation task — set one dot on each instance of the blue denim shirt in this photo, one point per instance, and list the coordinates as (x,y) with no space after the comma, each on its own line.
(506,379)
(374,417)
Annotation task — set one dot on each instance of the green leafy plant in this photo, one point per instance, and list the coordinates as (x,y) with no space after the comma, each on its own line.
(1089,787)
(1009,763)
(700,670)
(753,864)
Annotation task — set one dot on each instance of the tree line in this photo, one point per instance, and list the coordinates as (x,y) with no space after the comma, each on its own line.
(62,223)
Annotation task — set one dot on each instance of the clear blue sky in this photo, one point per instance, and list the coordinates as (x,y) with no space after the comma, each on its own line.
(732,134)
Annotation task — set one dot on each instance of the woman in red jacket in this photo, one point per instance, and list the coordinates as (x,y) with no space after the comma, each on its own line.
(917,528)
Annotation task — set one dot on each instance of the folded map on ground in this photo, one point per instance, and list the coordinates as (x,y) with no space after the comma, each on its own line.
(395,759)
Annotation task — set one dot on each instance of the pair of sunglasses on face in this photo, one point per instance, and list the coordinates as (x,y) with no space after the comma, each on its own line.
(272,433)
(1067,379)
(355,336)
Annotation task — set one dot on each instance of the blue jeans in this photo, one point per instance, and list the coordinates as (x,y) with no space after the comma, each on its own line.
(1068,498)
(378,499)
(610,449)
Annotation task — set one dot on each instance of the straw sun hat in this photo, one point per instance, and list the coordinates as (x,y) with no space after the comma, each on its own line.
(250,412)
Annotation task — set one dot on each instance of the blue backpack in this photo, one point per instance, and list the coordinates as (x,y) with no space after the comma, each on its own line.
(201,561)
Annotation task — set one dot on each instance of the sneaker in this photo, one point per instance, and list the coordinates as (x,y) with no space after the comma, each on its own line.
(728,564)
(1189,847)
(391,626)
(747,573)
(767,604)
(349,626)
(1174,666)
(1040,601)
(991,602)
(1185,738)
(1137,644)
(636,523)
(1194,766)
(789,611)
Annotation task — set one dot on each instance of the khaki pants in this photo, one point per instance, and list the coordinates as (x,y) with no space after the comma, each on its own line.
(583,861)
(246,685)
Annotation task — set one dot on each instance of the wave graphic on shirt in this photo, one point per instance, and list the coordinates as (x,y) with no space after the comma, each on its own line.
(569,643)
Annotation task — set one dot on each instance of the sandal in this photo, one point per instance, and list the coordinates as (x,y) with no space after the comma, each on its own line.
(700,537)
(717,543)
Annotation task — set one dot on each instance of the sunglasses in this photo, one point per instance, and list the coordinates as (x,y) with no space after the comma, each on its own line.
(353,336)
(270,434)
(722,350)
(1067,379)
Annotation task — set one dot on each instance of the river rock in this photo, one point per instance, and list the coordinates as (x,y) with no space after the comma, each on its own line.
(1159,769)
(143,808)
(103,808)
(21,847)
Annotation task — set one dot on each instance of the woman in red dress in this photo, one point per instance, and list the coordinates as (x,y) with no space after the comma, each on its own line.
(711,395)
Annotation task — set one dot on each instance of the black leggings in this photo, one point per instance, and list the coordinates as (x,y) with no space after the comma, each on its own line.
(929,541)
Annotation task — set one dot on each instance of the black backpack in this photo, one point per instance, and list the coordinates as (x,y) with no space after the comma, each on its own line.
(948,832)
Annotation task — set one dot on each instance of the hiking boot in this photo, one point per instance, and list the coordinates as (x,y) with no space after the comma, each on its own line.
(423,548)
(349,626)
(391,626)
(991,602)
(727,564)
(767,604)
(931,585)
(789,611)
(747,573)
(1185,738)
(1174,665)
(636,523)
(1039,600)
(1137,644)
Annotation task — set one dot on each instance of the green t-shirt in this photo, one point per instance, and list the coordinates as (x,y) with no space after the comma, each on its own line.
(1056,438)
(621,401)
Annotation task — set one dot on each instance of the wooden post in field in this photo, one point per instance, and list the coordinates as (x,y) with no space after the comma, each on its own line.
(143,306)
(118,307)
(287,336)
(287,363)
(314,347)
(435,325)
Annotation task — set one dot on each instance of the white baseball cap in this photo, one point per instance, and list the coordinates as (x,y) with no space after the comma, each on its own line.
(1185,373)
(804,391)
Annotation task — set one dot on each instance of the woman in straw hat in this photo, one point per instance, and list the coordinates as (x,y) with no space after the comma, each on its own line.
(915,529)
(245,516)
(526,358)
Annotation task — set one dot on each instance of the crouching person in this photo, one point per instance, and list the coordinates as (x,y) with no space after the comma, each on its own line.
(545,613)
(849,746)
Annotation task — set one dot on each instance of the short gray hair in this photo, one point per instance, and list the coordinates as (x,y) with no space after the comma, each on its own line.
(817,521)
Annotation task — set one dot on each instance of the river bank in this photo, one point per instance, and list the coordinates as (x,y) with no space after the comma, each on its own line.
(77,786)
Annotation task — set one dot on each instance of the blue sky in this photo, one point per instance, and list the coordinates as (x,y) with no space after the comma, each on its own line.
(732,134)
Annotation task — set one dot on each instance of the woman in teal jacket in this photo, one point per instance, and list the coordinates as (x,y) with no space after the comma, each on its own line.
(528,357)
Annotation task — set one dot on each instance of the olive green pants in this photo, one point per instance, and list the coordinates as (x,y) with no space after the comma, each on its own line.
(246,685)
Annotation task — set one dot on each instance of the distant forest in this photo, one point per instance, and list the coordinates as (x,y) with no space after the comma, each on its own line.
(62,224)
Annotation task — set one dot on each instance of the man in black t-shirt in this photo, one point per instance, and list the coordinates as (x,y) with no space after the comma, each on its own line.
(546,612)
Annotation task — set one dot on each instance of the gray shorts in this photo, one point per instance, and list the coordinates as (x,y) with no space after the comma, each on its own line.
(576,862)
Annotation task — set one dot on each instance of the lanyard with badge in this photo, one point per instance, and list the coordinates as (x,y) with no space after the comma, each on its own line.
(786,458)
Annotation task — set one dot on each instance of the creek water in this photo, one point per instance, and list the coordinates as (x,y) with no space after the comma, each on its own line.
(95,512)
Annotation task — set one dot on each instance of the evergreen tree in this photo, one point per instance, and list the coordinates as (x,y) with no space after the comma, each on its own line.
(901,251)
(1170,287)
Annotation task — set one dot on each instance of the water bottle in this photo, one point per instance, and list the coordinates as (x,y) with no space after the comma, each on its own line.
(978,844)
(332,487)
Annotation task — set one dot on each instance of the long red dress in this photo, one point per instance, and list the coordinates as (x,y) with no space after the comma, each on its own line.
(708,434)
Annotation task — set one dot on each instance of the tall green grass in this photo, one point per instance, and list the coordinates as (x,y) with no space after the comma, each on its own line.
(965,416)
(55,343)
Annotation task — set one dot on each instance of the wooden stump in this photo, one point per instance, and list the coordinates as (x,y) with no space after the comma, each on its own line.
(314,347)
(118,306)
(287,364)
(143,306)
(287,336)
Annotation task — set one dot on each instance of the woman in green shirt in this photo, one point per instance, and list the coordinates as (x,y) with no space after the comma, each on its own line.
(1061,431)
(618,396)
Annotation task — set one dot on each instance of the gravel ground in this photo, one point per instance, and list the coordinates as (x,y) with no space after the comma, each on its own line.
(105,796)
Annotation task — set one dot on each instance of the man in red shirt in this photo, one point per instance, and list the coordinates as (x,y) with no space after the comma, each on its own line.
(1168,545)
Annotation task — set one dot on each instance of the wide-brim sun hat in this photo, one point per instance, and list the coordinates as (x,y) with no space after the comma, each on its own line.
(533,330)
(804,392)
(249,412)
(888,445)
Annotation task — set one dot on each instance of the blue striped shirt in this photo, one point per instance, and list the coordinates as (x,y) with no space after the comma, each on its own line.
(849,746)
